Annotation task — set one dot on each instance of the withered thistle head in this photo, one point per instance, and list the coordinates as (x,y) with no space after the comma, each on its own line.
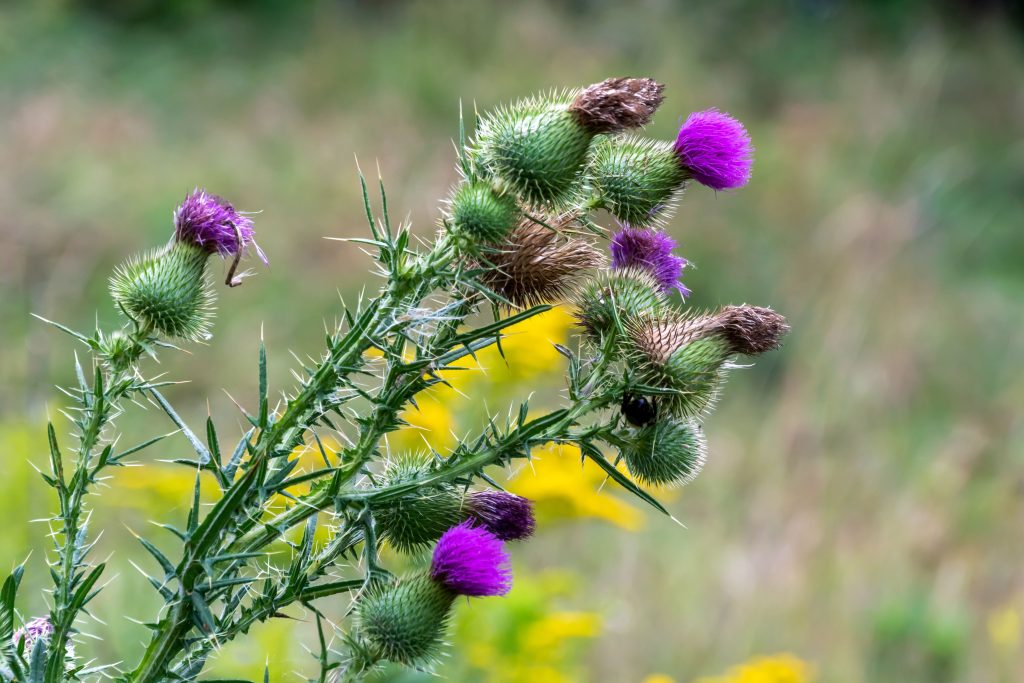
(617,104)
(750,329)
(689,355)
(538,264)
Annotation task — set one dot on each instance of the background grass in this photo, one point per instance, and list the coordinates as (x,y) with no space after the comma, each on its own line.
(863,503)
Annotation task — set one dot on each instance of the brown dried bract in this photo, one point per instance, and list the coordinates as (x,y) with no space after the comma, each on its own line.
(617,104)
(750,329)
(538,264)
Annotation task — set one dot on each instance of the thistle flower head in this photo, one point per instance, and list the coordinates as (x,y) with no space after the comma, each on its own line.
(678,354)
(508,516)
(471,561)
(715,148)
(481,214)
(38,628)
(211,222)
(616,104)
(538,264)
(651,251)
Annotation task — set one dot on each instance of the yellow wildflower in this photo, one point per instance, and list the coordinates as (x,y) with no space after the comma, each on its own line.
(781,668)
(659,678)
(521,639)
(562,488)
(1004,628)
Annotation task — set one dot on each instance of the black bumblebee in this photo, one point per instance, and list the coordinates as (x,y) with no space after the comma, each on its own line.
(639,411)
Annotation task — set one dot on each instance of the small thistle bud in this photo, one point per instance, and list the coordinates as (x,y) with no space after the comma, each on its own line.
(420,517)
(617,104)
(481,214)
(212,223)
(635,179)
(405,622)
(166,291)
(508,516)
(715,149)
(604,303)
(666,452)
(538,264)
(650,251)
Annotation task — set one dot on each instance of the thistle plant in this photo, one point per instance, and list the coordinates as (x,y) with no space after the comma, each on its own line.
(518,234)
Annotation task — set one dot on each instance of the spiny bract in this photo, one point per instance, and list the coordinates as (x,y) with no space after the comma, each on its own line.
(167,291)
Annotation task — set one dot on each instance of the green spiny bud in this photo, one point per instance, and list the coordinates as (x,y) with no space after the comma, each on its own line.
(537,147)
(609,300)
(634,178)
(666,452)
(167,291)
(420,517)
(405,622)
(481,214)
(119,350)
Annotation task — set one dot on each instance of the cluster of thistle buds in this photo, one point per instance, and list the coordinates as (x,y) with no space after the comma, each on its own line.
(521,215)
(518,232)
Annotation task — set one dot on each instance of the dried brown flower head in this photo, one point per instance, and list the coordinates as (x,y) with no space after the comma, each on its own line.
(538,264)
(617,104)
(749,329)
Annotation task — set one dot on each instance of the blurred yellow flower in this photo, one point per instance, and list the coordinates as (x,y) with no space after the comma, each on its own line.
(1004,628)
(562,488)
(659,678)
(780,668)
(521,639)
(529,347)
(556,628)
(528,352)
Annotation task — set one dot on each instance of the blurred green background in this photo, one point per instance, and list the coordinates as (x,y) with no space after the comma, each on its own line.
(863,506)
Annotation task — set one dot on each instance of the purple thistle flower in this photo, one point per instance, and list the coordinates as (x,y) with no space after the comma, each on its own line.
(33,631)
(651,251)
(210,222)
(471,561)
(506,515)
(716,149)
(38,629)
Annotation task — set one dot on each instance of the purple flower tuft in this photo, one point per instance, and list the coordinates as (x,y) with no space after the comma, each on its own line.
(716,149)
(506,515)
(471,561)
(652,251)
(209,221)
(33,631)
(38,629)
